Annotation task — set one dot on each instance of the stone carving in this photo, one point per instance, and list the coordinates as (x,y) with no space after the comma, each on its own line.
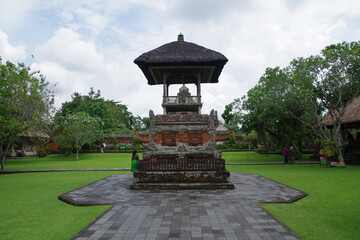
(182,148)
(212,119)
(152,146)
(152,119)
(217,123)
(211,146)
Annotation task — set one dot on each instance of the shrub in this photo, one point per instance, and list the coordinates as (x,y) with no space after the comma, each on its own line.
(41,152)
(66,149)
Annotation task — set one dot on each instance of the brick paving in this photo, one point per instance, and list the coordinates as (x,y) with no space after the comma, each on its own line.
(185,214)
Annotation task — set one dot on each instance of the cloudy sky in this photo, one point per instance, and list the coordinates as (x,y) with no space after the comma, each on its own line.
(78,44)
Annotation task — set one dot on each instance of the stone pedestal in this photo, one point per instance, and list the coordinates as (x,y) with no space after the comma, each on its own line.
(183,154)
(182,180)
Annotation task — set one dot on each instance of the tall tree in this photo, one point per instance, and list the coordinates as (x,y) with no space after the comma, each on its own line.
(232,114)
(80,128)
(266,109)
(26,103)
(335,75)
(142,123)
(115,116)
(286,100)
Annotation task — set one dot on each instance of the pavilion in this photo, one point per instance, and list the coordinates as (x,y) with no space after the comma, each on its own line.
(182,139)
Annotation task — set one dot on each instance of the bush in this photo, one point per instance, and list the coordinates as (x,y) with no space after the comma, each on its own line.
(86,146)
(20,154)
(41,152)
(66,149)
(111,147)
(329,148)
(222,146)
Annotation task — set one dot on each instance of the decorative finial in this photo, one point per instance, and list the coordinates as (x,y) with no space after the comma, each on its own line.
(181,37)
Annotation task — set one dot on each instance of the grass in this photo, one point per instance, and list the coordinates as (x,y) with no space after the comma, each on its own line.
(253,157)
(332,209)
(121,160)
(32,211)
(86,160)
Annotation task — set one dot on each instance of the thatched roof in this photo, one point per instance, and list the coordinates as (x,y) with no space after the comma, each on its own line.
(183,58)
(119,135)
(35,135)
(351,116)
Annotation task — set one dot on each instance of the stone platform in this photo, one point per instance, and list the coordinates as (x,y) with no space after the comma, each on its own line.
(181,186)
(185,214)
(181,180)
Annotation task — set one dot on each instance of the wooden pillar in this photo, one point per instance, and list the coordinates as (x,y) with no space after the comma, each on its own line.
(198,85)
(199,91)
(165,93)
(165,87)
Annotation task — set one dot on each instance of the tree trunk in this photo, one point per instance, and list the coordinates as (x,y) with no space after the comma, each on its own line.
(2,161)
(1,156)
(337,138)
(77,153)
(341,157)
(4,152)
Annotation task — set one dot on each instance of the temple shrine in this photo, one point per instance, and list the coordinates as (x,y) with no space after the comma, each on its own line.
(182,140)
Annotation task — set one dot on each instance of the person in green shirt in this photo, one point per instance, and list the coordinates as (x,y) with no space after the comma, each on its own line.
(134,162)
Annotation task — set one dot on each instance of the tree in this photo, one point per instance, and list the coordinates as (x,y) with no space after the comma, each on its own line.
(287,102)
(78,129)
(142,123)
(115,116)
(335,75)
(125,121)
(251,140)
(232,142)
(232,114)
(26,103)
(266,110)
(136,142)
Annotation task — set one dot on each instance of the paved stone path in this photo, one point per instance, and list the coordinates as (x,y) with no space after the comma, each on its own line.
(185,214)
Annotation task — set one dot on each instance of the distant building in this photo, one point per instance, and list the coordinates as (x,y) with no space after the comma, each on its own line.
(27,144)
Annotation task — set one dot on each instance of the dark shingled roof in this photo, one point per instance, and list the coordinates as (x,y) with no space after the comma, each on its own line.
(181,54)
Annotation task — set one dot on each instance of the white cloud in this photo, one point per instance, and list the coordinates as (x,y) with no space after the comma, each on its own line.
(10,52)
(76,65)
(67,49)
(95,42)
(13,13)
(86,19)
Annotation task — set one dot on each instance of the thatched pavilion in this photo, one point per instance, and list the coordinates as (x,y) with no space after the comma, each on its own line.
(351,117)
(182,139)
(181,62)
(350,121)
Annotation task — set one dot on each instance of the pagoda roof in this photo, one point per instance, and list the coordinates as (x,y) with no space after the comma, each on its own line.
(184,58)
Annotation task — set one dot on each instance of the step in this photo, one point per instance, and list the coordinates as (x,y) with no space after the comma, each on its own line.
(181,186)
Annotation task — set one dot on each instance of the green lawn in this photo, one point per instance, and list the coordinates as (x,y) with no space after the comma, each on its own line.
(121,160)
(332,209)
(86,160)
(31,209)
(253,157)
